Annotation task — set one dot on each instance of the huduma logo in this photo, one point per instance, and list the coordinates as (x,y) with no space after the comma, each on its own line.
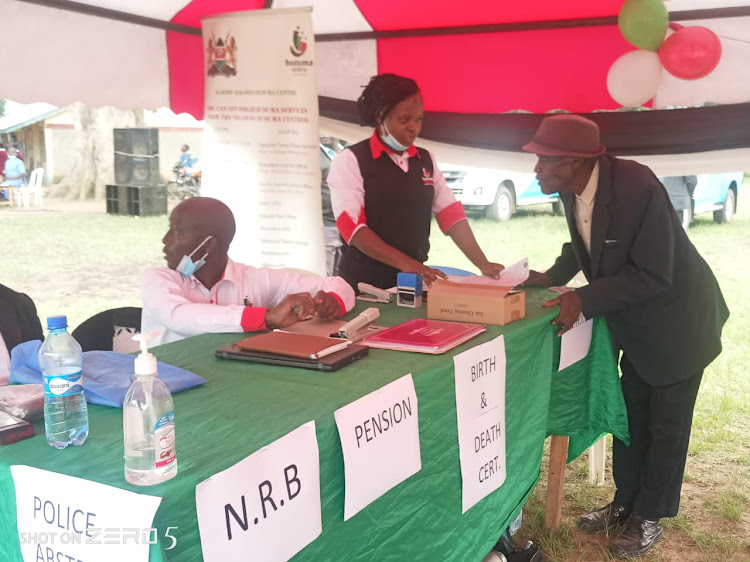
(299,44)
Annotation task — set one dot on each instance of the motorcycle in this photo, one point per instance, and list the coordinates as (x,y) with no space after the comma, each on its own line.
(185,182)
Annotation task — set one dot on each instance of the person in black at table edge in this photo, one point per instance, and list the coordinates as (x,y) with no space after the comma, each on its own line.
(384,191)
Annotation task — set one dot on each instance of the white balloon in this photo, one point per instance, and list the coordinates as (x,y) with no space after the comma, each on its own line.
(633,78)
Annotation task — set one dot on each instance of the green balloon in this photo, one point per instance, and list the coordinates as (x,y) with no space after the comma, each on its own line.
(644,23)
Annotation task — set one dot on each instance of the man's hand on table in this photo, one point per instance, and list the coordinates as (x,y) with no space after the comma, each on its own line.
(292,309)
(326,306)
(570,310)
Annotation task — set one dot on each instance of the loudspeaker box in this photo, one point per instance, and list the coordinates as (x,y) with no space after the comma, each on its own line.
(137,157)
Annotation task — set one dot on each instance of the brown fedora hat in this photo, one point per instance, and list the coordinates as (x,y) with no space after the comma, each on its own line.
(566,135)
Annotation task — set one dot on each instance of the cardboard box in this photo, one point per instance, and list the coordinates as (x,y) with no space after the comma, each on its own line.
(483,304)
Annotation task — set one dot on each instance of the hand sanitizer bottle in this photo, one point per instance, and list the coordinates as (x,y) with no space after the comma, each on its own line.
(148,423)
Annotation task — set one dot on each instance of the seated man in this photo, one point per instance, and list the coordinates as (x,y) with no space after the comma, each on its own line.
(201,290)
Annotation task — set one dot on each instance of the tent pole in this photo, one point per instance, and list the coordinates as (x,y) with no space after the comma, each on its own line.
(686,15)
(115,15)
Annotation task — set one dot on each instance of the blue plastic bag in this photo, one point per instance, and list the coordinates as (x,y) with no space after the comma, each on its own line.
(107,375)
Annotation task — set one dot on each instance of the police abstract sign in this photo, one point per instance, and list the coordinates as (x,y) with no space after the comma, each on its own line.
(64,519)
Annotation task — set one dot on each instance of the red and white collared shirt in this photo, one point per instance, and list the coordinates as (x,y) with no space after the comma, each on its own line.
(182,306)
(348,192)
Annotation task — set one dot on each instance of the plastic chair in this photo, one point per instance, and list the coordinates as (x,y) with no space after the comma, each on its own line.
(101,331)
(18,323)
(34,188)
(452,270)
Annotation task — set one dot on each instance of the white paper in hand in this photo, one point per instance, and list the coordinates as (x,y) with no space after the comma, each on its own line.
(515,274)
(576,342)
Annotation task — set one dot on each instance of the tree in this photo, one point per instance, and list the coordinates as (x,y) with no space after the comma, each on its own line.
(93,167)
(2,108)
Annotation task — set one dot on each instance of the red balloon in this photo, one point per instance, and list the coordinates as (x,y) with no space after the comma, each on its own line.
(690,53)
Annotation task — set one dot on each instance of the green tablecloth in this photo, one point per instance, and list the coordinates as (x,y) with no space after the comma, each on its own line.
(245,406)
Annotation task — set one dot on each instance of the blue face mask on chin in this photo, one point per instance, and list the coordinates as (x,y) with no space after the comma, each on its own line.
(187,266)
(391,141)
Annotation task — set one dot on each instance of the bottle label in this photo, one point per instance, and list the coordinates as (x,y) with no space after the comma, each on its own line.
(166,452)
(63,385)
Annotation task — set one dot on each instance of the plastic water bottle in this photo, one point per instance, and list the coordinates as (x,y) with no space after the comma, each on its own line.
(516,524)
(148,423)
(66,418)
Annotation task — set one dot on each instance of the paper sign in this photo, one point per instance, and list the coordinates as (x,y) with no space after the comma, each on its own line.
(509,277)
(261,125)
(64,518)
(576,342)
(480,413)
(265,507)
(380,440)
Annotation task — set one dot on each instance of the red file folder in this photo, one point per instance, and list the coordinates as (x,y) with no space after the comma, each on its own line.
(424,336)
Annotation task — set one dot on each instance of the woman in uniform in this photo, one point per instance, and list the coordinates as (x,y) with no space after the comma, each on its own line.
(384,191)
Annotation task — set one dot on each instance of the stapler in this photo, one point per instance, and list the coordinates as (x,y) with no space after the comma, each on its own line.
(372,294)
(361,326)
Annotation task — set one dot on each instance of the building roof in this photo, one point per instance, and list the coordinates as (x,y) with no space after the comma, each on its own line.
(17,116)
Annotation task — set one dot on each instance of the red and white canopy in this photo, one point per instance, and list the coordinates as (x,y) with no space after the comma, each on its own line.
(468,56)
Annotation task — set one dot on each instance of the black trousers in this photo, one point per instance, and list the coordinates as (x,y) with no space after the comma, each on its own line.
(648,473)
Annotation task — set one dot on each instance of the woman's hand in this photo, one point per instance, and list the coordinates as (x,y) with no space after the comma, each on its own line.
(429,274)
(492,269)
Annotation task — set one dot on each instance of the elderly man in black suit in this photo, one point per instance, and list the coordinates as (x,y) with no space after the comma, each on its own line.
(662,304)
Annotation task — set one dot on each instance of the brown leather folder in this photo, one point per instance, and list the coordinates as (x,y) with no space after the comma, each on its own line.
(293,345)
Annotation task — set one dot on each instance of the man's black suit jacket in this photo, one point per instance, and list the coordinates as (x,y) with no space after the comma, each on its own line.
(659,296)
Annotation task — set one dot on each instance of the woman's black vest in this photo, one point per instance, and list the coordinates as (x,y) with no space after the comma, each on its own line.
(398,207)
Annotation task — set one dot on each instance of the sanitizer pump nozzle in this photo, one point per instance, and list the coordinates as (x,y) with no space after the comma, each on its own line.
(145,363)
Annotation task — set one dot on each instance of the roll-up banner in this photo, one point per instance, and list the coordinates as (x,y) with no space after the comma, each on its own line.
(261,142)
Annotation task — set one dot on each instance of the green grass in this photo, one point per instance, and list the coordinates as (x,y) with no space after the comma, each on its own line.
(78,265)
(680,523)
(729,505)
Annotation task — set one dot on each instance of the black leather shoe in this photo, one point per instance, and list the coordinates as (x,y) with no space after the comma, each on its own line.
(532,553)
(601,520)
(637,538)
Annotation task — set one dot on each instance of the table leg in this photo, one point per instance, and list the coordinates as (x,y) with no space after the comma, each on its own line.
(558,454)
(597,462)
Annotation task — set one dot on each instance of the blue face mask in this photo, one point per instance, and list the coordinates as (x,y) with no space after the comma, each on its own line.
(187,266)
(391,141)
